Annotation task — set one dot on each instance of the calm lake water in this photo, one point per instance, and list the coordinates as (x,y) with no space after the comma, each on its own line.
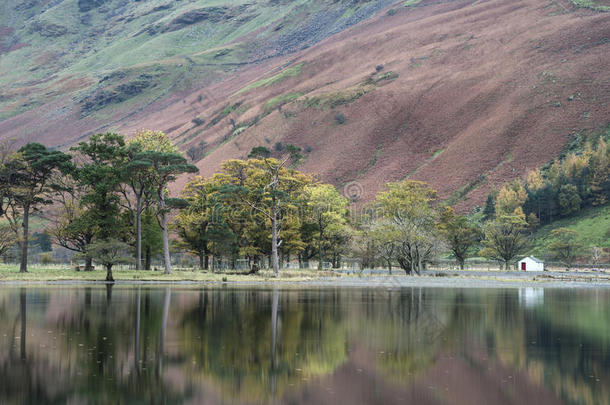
(173,345)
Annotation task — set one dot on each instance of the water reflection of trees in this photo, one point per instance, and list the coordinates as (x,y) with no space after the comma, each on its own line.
(119,345)
(82,352)
(562,342)
(254,344)
(22,377)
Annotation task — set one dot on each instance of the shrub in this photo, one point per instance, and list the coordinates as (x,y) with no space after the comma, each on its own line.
(47,258)
(279,146)
(198,121)
(379,68)
(340,118)
(196,152)
(109,253)
(391,12)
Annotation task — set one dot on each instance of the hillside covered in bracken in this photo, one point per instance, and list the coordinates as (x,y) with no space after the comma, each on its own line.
(461,94)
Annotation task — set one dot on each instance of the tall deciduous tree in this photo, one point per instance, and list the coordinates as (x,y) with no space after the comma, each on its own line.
(10,162)
(600,173)
(406,206)
(565,247)
(328,210)
(74,226)
(459,233)
(385,237)
(268,190)
(7,239)
(510,197)
(504,238)
(194,223)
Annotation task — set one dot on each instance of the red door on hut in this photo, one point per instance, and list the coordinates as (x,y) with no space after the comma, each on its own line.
(522,266)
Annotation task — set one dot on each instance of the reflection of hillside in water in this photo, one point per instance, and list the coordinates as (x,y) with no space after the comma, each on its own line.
(425,346)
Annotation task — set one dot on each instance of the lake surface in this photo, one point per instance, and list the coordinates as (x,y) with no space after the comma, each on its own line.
(143,344)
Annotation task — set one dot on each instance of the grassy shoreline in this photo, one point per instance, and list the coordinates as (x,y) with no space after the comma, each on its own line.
(35,273)
(9,275)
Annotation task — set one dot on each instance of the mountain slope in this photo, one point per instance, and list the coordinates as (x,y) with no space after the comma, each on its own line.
(462,94)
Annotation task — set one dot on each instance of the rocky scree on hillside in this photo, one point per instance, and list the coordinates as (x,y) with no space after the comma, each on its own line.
(114,95)
(324,24)
(88,5)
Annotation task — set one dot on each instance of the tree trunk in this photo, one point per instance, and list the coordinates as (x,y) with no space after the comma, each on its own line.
(136,350)
(320,250)
(206,253)
(138,232)
(274,327)
(23,267)
(166,257)
(389,266)
(206,262)
(201,260)
(148,260)
(276,264)
(109,277)
(88,297)
(22,315)
(461,263)
(88,264)
(163,331)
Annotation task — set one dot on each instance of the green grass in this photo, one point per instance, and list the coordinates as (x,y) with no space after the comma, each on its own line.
(337,98)
(437,153)
(371,163)
(209,50)
(41,273)
(463,191)
(592,225)
(590,4)
(292,71)
(387,76)
(282,99)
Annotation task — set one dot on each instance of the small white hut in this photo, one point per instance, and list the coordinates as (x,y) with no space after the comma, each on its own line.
(530,263)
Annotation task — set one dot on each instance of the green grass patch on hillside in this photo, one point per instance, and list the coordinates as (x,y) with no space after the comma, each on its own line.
(292,71)
(64,42)
(282,99)
(371,162)
(387,76)
(466,189)
(592,226)
(590,4)
(337,98)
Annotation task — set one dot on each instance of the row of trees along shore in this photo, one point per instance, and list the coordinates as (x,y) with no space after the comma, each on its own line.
(110,196)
